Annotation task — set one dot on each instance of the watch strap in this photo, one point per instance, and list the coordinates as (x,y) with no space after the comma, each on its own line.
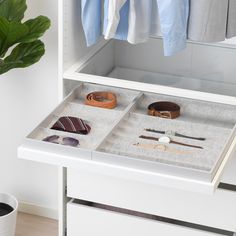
(190,137)
(149,138)
(173,133)
(171,141)
(163,148)
(185,144)
(155,131)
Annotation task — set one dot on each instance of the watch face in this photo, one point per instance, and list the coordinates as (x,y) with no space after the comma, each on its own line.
(164,139)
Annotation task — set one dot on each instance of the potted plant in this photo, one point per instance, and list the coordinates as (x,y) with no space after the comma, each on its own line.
(19,47)
(19,41)
(8,212)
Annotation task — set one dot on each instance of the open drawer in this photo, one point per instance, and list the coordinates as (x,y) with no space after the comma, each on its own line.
(109,147)
(199,68)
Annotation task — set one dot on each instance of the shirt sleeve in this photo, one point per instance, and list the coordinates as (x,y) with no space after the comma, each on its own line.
(173,19)
(91,20)
(113,17)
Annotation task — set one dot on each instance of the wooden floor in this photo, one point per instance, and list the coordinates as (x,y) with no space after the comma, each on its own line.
(30,225)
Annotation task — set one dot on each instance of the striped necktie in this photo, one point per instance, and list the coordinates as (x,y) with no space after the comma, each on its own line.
(72,125)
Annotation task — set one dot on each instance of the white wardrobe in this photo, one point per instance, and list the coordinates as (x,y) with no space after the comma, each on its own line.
(109,188)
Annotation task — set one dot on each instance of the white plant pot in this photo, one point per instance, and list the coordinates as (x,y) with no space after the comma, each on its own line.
(8,222)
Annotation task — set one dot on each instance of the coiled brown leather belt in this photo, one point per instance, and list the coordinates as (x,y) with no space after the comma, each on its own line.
(101,99)
(163,109)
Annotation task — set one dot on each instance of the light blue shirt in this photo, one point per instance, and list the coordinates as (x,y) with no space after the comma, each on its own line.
(173,16)
(91,20)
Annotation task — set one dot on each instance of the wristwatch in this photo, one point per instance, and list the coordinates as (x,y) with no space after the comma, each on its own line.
(163,148)
(164,109)
(173,133)
(166,140)
(101,99)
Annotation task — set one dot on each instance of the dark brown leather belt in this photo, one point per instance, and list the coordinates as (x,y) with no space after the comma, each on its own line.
(163,109)
(101,99)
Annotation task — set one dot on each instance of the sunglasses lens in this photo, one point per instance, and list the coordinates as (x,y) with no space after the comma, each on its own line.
(70,141)
(51,139)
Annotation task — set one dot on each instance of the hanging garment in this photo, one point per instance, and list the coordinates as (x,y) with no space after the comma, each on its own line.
(155,20)
(231,21)
(208,20)
(174,21)
(91,20)
(119,28)
(140,20)
(117,10)
(147,17)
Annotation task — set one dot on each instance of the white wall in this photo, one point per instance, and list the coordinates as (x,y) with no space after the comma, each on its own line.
(26,96)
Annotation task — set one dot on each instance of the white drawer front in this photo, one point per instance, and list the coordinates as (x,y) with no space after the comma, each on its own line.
(229,175)
(218,210)
(90,221)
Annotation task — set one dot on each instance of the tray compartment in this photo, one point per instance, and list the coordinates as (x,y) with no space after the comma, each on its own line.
(192,110)
(121,143)
(99,122)
(124,96)
(213,121)
(99,119)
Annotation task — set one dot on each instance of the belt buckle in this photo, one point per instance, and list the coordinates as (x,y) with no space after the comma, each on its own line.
(165,114)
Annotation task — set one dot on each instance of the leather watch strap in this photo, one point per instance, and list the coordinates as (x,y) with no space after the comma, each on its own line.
(173,133)
(163,148)
(101,99)
(171,141)
(190,137)
(185,144)
(164,109)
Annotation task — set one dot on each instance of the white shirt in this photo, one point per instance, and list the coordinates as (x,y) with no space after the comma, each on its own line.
(143,21)
(113,17)
(139,21)
(173,16)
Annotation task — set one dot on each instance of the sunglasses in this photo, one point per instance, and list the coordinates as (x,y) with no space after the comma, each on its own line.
(67,141)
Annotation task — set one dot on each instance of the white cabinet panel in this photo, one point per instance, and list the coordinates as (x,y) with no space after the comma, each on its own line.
(90,221)
(218,210)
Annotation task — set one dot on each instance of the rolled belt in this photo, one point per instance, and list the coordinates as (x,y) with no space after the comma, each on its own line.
(101,99)
(164,109)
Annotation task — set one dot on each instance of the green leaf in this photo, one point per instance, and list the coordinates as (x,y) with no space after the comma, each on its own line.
(36,27)
(23,55)
(10,34)
(13,10)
